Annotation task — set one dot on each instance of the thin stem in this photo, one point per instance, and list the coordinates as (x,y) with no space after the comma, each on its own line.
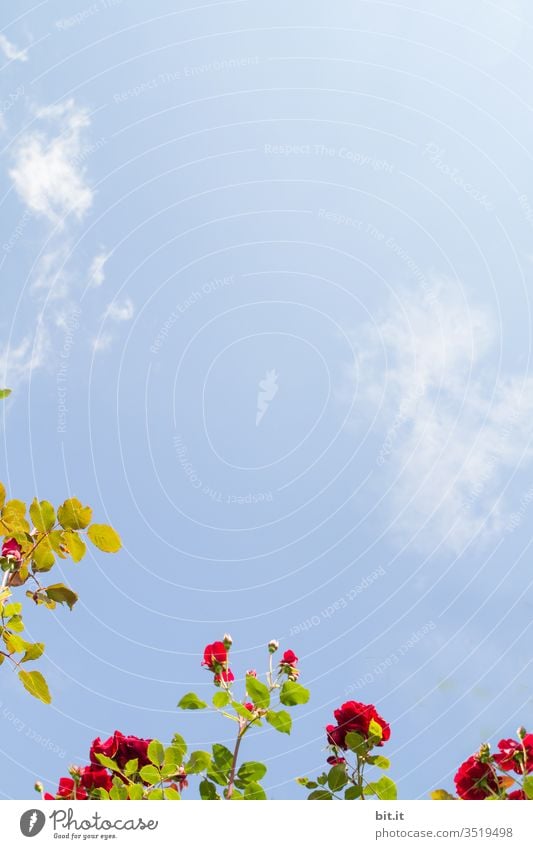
(231,782)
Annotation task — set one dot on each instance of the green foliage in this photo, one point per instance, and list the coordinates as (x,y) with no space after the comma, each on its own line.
(190,701)
(258,692)
(528,786)
(384,789)
(40,535)
(281,720)
(293,693)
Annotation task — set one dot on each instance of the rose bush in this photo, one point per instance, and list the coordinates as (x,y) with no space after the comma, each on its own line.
(133,768)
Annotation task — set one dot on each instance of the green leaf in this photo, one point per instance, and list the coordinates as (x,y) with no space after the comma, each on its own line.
(62,595)
(43,557)
(179,743)
(105,538)
(251,771)
(258,692)
(221,699)
(156,753)
(293,693)
(242,711)
(190,701)
(2,495)
(337,778)
(4,393)
(119,791)
(198,762)
(107,762)
(217,777)
(352,792)
(280,720)
(254,792)
(384,789)
(35,684)
(172,794)
(12,609)
(13,643)
(33,652)
(131,767)
(375,731)
(528,786)
(222,757)
(174,756)
(379,761)
(322,779)
(355,742)
(156,795)
(135,792)
(150,774)
(208,791)
(320,794)
(73,516)
(75,545)
(441,795)
(42,515)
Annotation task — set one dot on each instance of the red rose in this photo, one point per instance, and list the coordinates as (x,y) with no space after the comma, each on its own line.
(66,790)
(335,761)
(355,716)
(215,654)
(12,549)
(476,780)
(288,659)
(225,675)
(511,755)
(517,794)
(93,778)
(249,706)
(121,749)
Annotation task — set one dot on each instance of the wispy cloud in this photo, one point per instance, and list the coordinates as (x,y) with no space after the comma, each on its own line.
(19,362)
(102,342)
(96,271)
(10,51)
(120,310)
(453,426)
(45,172)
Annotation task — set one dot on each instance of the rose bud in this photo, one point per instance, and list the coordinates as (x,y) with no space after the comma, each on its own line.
(227,640)
(273,646)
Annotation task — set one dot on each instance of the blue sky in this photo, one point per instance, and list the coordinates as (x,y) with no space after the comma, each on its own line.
(266,306)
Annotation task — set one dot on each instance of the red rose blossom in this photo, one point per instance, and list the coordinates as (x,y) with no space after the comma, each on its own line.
(511,755)
(288,659)
(121,749)
(249,706)
(66,790)
(12,549)
(215,654)
(225,675)
(356,717)
(517,794)
(92,778)
(336,761)
(476,780)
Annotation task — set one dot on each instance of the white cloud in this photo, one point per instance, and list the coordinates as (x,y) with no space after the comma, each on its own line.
(96,271)
(10,51)
(19,362)
(50,273)
(45,173)
(123,311)
(453,427)
(102,342)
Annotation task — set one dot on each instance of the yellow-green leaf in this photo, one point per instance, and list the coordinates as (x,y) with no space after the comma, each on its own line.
(43,557)
(2,495)
(105,538)
(4,393)
(42,515)
(36,685)
(441,795)
(75,545)
(33,652)
(62,595)
(73,516)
